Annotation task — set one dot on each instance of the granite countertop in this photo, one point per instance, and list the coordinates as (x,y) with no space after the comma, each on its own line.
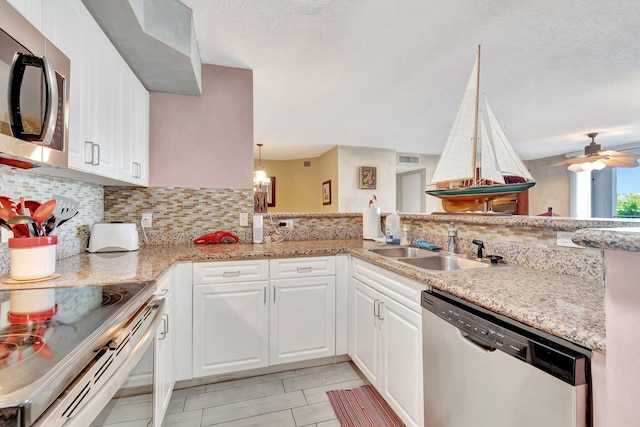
(565,306)
(621,238)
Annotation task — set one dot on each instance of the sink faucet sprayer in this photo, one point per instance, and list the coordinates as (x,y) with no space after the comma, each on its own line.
(452,243)
(480,244)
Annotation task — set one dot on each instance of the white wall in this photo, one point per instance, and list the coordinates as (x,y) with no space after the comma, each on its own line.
(350,197)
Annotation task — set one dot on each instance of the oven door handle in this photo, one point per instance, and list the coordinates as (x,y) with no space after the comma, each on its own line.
(83,400)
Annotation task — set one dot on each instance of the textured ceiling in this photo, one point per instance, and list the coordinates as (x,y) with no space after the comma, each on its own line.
(392,74)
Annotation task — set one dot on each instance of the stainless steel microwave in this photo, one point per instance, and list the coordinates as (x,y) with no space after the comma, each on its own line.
(34,94)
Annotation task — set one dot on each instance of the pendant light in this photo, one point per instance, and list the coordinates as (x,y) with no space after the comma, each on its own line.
(260,178)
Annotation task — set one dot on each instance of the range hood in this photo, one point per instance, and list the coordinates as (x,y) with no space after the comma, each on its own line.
(156,38)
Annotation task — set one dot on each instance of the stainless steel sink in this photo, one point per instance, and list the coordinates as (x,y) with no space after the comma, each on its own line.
(403,252)
(446,263)
(437,262)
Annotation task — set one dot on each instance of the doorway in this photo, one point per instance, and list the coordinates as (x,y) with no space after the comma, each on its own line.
(410,191)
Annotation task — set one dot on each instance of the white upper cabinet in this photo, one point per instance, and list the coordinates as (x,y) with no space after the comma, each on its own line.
(99,103)
(132,113)
(33,10)
(108,106)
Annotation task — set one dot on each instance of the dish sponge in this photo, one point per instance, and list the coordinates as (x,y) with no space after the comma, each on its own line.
(421,243)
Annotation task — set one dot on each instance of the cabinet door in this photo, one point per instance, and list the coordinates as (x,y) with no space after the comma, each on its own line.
(230,327)
(302,319)
(364,334)
(132,128)
(65,28)
(141,133)
(99,98)
(164,372)
(125,125)
(401,359)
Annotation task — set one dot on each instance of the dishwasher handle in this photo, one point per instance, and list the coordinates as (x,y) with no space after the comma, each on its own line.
(477,342)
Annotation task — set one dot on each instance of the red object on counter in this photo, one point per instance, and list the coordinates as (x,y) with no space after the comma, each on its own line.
(216,237)
(549,212)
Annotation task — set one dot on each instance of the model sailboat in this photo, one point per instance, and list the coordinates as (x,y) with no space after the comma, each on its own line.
(477,157)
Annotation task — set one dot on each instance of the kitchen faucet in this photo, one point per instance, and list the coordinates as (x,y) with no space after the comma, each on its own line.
(452,243)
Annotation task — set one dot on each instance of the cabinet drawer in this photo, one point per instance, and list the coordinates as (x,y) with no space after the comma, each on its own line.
(163,284)
(230,271)
(301,267)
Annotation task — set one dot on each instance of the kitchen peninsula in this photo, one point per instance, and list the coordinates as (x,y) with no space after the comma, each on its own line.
(558,290)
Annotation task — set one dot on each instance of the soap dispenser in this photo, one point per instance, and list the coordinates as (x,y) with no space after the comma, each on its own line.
(452,243)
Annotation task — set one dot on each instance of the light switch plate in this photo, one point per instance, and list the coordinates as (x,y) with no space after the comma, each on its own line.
(244,219)
(564,239)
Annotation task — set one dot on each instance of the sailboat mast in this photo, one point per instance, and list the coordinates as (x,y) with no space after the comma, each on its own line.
(476,175)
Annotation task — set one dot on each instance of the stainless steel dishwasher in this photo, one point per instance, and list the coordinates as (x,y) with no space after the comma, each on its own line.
(484,369)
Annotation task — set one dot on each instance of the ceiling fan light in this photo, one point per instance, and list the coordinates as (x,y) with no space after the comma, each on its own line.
(575,167)
(598,165)
(587,166)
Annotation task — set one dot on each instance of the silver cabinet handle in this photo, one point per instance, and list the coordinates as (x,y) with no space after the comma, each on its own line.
(375,303)
(163,292)
(274,294)
(137,170)
(98,150)
(167,324)
(165,327)
(231,273)
(380,304)
(265,296)
(304,269)
(90,157)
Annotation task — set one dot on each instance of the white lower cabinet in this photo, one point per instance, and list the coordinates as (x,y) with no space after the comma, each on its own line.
(302,319)
(230,327)
(385,337)
(243,318)
(158,365)
(164,372)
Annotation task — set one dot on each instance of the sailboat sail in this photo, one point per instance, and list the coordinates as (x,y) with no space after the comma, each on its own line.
(475,142)
(456,162)
(508,161)
(490,167)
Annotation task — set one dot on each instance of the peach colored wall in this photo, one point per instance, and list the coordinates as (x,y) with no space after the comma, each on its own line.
(206,141)
(622,309)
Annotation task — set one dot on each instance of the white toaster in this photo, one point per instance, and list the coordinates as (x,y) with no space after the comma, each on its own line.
(113,237)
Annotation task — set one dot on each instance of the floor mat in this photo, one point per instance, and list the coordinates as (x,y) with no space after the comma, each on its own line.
(363,407)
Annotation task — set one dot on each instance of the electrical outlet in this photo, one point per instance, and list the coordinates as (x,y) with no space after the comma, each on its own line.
(5,235)
(244,219)
(147,219)
(564,239)
(288,223)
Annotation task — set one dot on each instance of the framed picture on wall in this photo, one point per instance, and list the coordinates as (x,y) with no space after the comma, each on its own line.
(271,193)
(368,177)
(326,192)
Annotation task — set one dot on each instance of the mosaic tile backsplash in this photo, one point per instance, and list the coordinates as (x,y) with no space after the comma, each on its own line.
(73,235)
(182,214)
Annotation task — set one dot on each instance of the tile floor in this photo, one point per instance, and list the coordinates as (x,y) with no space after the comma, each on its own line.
(294,398)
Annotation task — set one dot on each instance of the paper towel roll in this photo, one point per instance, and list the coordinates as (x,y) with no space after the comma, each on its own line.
(371,223)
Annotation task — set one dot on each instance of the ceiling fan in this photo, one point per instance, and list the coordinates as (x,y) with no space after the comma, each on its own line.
(595,158)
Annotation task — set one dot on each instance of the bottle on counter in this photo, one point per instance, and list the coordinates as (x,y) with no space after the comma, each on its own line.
(404,241)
